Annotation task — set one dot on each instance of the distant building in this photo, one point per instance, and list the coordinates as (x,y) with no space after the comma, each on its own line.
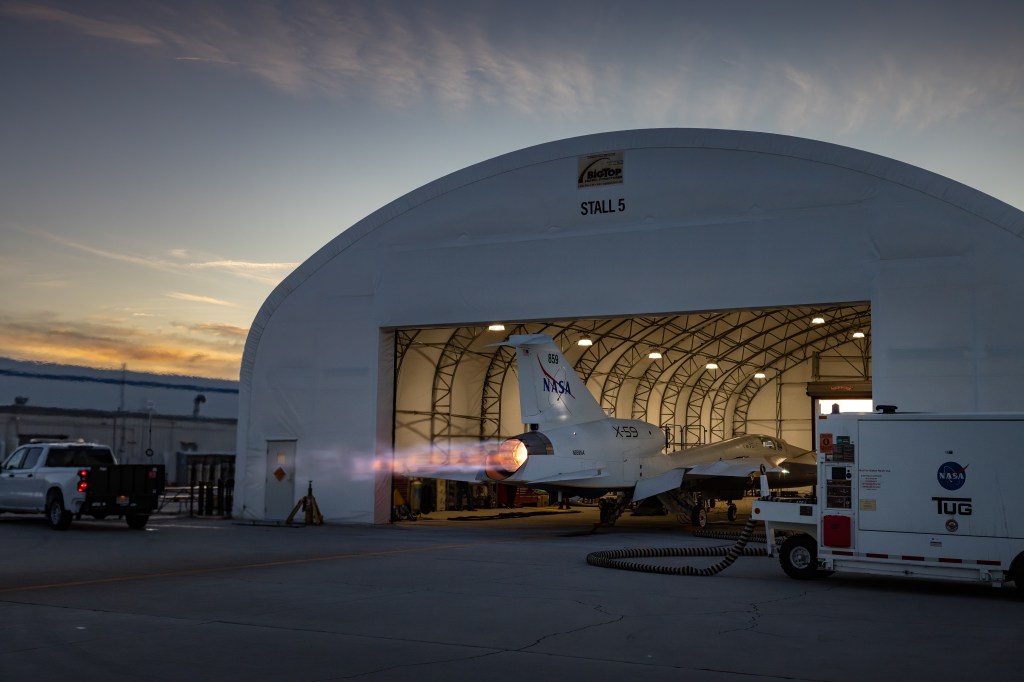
(173,417)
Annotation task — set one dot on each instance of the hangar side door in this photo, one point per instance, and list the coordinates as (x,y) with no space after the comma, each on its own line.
(280,487)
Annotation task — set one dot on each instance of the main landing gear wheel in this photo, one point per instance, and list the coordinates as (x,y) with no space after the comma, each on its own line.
(699,517)
(732,512)
(799,558)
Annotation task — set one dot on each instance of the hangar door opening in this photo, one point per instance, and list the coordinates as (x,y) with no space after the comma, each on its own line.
(701,377)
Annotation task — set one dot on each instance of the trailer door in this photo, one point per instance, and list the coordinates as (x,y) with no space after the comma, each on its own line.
(940,476)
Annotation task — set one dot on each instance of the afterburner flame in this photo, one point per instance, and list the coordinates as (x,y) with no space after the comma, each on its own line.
(511,455)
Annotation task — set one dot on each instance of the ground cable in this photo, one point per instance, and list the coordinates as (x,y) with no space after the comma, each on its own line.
(614,558)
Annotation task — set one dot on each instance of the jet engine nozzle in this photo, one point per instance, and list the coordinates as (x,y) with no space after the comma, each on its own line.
(513,453)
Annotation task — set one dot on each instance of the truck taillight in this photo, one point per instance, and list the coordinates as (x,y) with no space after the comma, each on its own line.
(83,482)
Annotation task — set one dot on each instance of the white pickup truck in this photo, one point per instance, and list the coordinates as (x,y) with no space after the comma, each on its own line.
(67,480)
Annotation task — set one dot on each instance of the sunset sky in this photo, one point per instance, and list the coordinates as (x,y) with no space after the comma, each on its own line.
(165,164)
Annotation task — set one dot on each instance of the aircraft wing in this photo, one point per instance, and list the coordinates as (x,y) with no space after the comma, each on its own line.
(740,467)
(652,485)
(670,480)
(563,478)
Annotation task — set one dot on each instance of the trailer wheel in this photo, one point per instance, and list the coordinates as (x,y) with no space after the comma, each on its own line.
(1017,573)
(59,517)
(137,521)
(799,557)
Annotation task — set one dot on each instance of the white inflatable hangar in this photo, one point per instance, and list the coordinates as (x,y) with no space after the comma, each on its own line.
(704,245)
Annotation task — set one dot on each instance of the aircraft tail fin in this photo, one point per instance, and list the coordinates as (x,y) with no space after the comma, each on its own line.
(550,391)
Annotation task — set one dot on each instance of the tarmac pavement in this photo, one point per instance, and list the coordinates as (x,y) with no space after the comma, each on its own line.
(449,598)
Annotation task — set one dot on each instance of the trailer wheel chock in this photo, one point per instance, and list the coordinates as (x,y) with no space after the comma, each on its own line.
(309,507)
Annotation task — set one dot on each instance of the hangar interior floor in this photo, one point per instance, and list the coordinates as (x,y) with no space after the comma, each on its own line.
(583,517)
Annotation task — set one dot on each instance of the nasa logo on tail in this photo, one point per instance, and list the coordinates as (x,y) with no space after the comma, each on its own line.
(553,385)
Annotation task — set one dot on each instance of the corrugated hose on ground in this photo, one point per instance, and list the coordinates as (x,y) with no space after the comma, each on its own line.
(614,558)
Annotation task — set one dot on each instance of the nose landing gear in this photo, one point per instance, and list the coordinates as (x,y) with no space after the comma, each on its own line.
(693,507)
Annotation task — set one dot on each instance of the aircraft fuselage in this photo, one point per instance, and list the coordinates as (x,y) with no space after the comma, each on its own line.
(598,456)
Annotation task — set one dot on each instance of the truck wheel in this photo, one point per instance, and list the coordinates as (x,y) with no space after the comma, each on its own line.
(799,557)
(137,521)
(60,518)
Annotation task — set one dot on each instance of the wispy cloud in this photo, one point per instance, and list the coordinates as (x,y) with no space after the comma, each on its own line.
(405,54)
(224,331)
(194,298)
(98,28)
(270,273)
(203,59)
(134,259)
(182,262)
(463,56)
(45,337)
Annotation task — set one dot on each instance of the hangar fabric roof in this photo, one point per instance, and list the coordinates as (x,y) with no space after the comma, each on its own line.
(929,185)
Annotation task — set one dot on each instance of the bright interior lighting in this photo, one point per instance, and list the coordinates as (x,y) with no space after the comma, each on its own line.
(584,342)
(496,328)
(654,355)
(759,375)
(858,335)
(711,365)
(818,320)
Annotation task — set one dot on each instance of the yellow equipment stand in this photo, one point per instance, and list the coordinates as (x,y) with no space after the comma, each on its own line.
(308,504)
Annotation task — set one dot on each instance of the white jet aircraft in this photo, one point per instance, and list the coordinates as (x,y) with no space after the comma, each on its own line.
(573,448)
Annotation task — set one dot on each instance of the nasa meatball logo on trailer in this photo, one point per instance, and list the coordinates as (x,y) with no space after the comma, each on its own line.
(952,476)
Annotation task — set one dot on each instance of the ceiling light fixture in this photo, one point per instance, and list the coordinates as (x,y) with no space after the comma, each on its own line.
(654,355)
(711,365)
(585,341)
(760,375)
(496,328)
(858,335)
(818,320)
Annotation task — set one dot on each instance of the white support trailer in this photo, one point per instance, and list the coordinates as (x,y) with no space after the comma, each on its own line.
(918,495)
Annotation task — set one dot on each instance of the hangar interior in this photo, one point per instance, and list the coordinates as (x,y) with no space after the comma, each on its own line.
(703,377)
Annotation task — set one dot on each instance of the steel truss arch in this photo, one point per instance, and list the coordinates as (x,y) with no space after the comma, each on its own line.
(780,366)
(633,353)
(652,376)
(452,352)
(722,386)
(685,372)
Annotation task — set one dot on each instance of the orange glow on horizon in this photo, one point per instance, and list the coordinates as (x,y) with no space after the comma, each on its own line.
(199,362)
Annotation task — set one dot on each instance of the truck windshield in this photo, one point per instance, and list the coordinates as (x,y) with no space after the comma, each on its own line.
(79,457)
